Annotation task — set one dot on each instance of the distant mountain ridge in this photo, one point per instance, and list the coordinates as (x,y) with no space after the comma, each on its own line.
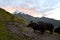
(48,20)
(36,19)
(25,16)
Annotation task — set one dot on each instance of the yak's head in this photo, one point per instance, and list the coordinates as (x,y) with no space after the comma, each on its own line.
(30,24)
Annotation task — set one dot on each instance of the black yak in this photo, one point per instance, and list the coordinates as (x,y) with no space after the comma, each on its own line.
(57,30)
(42,27)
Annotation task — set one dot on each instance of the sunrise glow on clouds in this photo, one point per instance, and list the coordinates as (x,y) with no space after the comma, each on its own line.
(36,8)
(24,10)
(9,9)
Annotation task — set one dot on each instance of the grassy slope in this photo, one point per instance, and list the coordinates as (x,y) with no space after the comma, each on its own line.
(4,33)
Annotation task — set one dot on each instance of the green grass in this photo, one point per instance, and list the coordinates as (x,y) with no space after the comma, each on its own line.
(5,34)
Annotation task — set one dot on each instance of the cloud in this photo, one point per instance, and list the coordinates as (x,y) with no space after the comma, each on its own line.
(43,5)
(30,12)
(55,14)
(24,10)
(9,9)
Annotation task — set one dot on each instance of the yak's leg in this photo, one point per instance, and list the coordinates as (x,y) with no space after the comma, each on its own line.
(34,31)
(42,31)
(51,31)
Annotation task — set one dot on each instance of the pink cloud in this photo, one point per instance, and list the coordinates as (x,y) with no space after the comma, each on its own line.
(30,11)
(9,9)
(25,10)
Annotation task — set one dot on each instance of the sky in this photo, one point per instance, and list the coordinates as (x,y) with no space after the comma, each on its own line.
(36,8)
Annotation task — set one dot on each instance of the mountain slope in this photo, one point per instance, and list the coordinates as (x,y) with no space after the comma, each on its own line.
(48,20)
(26,16)
(8,23)
(36,19)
